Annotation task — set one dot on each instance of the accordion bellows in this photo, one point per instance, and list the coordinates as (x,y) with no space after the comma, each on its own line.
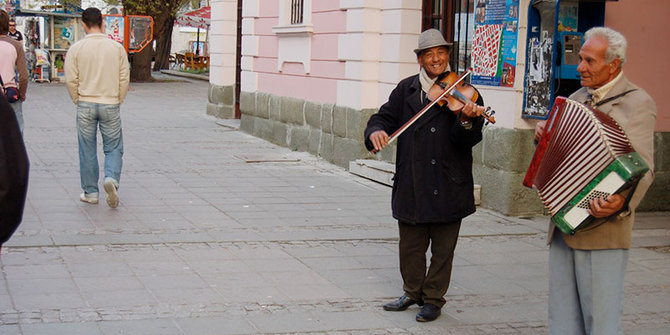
(583,154)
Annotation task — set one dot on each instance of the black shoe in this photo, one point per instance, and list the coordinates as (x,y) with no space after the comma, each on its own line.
(402,303)
(428,312)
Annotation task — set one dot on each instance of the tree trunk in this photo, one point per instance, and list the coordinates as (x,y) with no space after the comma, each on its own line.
(140,70)
(163,46)
(163,13)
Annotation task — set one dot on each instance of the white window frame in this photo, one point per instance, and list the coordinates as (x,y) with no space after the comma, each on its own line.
(294,40)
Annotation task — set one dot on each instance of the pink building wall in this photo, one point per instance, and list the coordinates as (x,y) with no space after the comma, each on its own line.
(644,24)
(320,84)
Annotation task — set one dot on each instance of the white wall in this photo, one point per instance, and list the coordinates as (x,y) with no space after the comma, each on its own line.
(223,37)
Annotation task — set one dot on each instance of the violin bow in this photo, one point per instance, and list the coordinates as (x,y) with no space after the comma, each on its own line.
(423,111)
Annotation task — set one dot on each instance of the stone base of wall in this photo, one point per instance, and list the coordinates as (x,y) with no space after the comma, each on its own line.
(658,198)
(221,101)
(332,132)
(500,160)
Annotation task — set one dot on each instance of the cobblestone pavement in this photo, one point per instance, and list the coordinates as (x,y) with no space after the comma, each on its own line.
(205,243)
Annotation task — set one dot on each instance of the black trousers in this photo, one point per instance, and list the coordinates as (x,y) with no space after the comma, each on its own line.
(430,286)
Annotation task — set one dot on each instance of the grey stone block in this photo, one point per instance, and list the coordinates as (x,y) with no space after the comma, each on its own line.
(215,94)
(292,110)
(662,151)
(356,122)
(229,95)
(263,105)
(222,94)
(247,124)
(505,149)
(657,198)
(503,191)
(274,107)
(279,131)
(299,139)
(220,111)
(314,141)
(313,114)
(264,128)
(346,150)
(327,118)
(340,121)
(247,103)
(326,146)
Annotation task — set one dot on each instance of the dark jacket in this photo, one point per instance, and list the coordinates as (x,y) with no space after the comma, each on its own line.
(433,179)
(13,172)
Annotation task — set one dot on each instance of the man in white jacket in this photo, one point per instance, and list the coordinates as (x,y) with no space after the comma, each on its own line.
(97,76)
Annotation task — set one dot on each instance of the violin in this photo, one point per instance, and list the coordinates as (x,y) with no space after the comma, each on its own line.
(459,96)
(448,89)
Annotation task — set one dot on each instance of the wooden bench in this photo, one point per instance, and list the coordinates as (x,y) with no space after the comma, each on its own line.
(194,62)
(179,61)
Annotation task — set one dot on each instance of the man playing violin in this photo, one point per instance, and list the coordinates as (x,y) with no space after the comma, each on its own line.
(433,186)
(586,270)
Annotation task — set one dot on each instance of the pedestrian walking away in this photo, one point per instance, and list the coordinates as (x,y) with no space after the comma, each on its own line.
(586,269)
(97,75)
(12,62)
(433,186)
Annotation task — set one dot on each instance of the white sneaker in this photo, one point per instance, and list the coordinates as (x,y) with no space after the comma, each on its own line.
(112,195)
(91,198)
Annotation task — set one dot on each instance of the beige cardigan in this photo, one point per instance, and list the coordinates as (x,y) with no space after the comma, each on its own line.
(97,70)
(636,114)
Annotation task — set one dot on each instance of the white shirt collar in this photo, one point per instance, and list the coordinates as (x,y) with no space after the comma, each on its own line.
(599,93)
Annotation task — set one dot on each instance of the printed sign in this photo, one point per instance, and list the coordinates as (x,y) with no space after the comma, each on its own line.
(494,42)
(113,27)
(10,6)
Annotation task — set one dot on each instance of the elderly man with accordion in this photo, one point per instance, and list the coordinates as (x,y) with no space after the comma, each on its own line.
(587,258)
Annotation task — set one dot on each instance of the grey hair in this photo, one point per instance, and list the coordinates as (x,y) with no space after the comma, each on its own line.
(616,43)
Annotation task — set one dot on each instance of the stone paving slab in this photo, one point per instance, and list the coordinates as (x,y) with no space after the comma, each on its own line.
(205,243)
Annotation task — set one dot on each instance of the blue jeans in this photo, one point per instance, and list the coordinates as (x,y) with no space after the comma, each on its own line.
(89,116)
(18,110)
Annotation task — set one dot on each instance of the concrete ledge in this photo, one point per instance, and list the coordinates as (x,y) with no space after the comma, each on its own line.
(186,75)
(381,172)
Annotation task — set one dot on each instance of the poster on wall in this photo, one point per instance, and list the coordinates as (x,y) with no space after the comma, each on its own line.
(64,32)
(10,6)
(494,42)
(113,27)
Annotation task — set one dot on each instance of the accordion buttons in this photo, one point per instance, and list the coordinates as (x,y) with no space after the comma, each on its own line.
(432,129)
(432,161)
(435,192)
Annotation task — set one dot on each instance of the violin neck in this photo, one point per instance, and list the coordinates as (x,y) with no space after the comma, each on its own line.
(459,96)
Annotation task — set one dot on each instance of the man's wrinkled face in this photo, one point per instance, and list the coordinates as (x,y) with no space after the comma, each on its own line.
(594,70)
(435,60)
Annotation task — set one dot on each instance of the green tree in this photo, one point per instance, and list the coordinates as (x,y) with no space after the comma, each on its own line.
(164,14)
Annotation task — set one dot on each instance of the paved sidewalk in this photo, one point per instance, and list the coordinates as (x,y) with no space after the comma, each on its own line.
(205,242)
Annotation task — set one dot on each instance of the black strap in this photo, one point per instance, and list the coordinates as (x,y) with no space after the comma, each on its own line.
(602,102)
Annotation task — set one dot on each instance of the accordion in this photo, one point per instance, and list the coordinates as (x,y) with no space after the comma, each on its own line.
(583,154)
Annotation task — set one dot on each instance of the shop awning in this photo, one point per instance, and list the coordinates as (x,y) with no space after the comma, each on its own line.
(198,18)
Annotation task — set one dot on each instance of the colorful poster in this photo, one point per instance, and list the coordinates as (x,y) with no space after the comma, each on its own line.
(10,6)
(494,42)
(568,16)
(113,27)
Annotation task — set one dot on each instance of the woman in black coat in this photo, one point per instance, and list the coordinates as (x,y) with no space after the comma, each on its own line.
(13,172)
(432,186)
